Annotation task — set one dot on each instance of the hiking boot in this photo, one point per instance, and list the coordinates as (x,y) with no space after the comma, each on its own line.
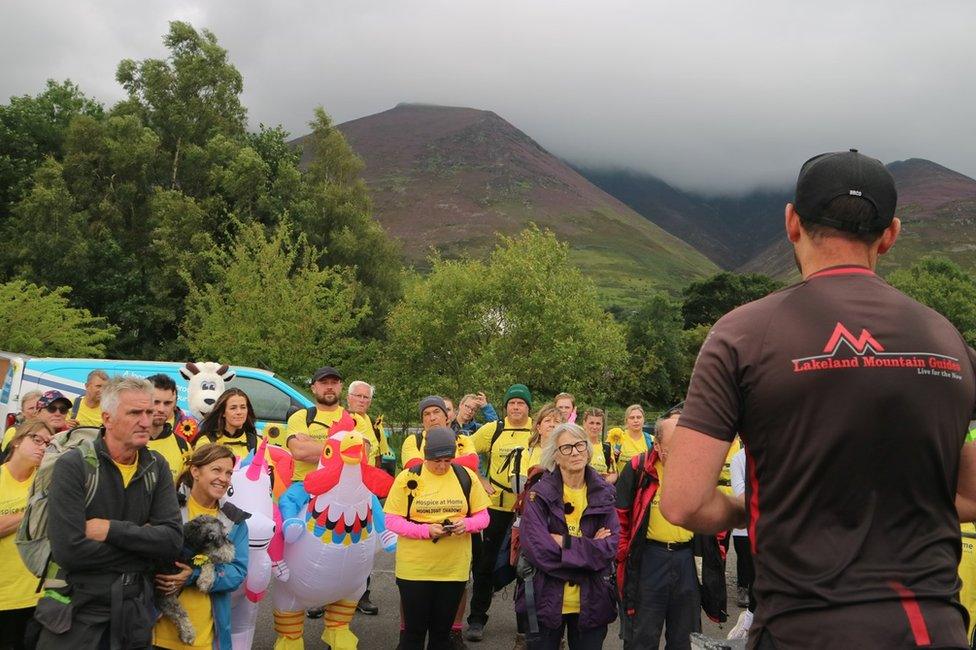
(457,640)
(741,629)
(519,641)
(366,606)
(315,612)
(475,632)
(742,596)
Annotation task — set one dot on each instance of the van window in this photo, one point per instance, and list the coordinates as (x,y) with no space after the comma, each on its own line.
(270,402)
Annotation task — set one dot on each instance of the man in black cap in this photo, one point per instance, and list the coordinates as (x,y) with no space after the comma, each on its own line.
(853,402)
(308,429)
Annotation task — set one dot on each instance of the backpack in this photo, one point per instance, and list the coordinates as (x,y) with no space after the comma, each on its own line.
(31,538)
(463,478)
(76,406)
(608,457)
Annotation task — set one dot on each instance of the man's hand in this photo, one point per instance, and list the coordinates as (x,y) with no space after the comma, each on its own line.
(489,488)
(481,400)
(603,533)
(97,529)
(71,423)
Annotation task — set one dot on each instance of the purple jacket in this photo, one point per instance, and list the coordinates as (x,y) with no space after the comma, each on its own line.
(583,560)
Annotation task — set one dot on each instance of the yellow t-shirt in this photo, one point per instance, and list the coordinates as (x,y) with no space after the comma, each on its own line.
(196,603)
(88,416)
(364,425)
(510,438)
(967,571)
(318,431)
(127,472)
(409,451)
(168,446)
(17,584)
(658,528)
(576,497)
(237,444)
(436,498)
(530,459)
(597,460)
(629,447)
(8,435)
(725,476)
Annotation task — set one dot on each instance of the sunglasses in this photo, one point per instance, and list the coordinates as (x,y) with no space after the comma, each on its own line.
(567,450)
(51,408)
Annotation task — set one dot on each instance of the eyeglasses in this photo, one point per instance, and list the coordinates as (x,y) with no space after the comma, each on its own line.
(40,441)
(51,408)
(567,450)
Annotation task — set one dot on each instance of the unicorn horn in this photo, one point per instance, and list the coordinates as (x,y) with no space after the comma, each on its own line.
(257,463)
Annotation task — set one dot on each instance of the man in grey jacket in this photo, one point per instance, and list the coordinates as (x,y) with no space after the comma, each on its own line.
(110,548)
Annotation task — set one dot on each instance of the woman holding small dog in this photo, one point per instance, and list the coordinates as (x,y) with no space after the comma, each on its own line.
(202,484)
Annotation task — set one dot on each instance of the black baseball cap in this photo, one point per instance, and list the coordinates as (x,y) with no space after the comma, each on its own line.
(845,173)
(326,371)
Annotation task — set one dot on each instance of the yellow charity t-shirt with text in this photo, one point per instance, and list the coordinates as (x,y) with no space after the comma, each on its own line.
(630,447)
(660,529)
(196,603)
(89,416)
(127,471)
(364,425)
(171,447)
(497,472)
(409,450)
(575,497)
(318,430)
(18,586)
(967,572)
(725,476)
(435,498)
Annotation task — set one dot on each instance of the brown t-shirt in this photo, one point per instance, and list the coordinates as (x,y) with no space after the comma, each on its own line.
(853,402)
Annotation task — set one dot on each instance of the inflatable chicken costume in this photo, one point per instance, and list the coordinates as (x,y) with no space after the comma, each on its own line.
(332,521)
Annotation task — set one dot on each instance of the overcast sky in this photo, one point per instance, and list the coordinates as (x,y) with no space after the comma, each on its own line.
(717,95)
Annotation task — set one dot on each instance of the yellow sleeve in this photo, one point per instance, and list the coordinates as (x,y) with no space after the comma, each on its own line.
(482,437)
(296,424)
(396,500)
(478,497)
(409,450)
(384,442)
(465,445)
(8,435)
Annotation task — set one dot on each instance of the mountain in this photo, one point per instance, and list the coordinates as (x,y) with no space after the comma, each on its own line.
(729,230)
(937,207)
(454,178)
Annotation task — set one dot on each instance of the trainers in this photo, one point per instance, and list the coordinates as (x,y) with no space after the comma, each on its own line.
(457,641)
(519,641)
(366,606)
(315,612)
(742,596)
(475,632)
(741,629)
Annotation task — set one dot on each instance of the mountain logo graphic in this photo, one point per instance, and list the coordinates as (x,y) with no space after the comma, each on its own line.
(860,344)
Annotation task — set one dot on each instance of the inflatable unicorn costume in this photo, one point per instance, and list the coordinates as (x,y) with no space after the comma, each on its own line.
(332,521)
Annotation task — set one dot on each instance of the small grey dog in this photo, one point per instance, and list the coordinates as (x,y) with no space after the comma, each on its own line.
(205,536)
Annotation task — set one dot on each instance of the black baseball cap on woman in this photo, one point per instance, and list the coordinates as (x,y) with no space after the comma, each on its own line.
(845,173)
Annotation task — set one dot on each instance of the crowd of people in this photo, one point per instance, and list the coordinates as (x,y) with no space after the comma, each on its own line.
(796,458)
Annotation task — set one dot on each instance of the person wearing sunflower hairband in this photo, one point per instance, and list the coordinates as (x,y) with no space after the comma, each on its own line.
(163,437)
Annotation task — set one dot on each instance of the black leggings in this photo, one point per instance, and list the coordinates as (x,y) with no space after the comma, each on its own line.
(428,611)
(745,571)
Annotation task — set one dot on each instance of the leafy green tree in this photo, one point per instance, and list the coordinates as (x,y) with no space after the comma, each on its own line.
(33,128)
(708,300)
(659,365)
(526,315)
(942,285)
(36,321)
(269,305)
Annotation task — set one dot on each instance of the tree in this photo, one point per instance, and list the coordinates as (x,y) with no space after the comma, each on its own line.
(708,300)
(33,128)
(659,365)
(36,321)
(942,285)
(526,315)
(271,306)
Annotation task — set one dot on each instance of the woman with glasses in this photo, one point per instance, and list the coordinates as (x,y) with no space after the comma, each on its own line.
(18,586)
(434,507)
(569,531)
(28,409)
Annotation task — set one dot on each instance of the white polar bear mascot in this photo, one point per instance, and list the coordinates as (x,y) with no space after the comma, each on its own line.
(207,381)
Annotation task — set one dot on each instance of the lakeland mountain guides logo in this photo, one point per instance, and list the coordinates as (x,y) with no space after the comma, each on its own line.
(868,352)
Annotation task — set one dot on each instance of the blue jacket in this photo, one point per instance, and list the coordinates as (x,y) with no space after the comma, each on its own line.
(230,576)
(487,413)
